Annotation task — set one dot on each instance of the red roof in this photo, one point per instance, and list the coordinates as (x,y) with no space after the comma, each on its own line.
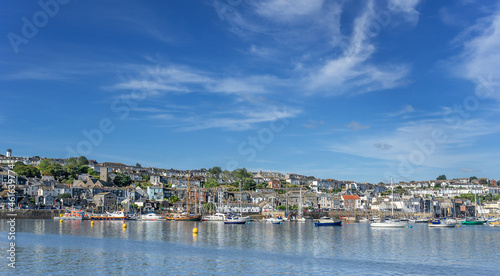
(350,197)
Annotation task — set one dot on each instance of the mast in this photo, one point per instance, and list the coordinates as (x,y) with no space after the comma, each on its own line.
(300,203)
(392,200)
(187,197)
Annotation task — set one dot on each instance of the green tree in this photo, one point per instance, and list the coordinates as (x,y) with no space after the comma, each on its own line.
(122,180)
(137,165)
(26,170)
(71,169)
(56,170)
(92,172)
(483,181)
(472,178)
(173,199)
(82,161)
(437,185)
(441,177)
(146,177)
(240,175)
(209,207)
(249,184)
(44,164)
(214,173)
(211,183)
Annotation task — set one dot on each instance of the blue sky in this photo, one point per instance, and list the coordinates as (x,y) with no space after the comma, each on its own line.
(351,90)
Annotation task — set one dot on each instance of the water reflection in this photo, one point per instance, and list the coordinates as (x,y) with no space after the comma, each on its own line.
(256,248)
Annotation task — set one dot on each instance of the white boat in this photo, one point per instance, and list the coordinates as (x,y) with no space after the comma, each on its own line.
(363,219)
(235,220)
(447,223)
(151,217)
(215,217)
(390,223)
(495,224)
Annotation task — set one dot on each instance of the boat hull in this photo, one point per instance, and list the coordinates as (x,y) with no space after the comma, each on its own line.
(336,223)
(107,218)
(495,224)
(388,225)
(479,222)
(443,225)
(235,222)
(194,218)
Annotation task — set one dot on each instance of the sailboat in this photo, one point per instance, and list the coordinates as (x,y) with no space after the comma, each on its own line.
(474,220)
(390,223)
(236,218)
(188,216)
(300,216)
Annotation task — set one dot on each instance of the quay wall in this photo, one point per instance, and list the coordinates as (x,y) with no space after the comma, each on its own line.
(31,213)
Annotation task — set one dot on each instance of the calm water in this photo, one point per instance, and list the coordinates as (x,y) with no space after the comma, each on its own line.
(170,248)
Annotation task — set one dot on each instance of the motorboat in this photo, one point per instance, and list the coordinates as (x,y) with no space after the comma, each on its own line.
(215,217)
(443,223)
(235,220)
(326,221)
(151,217)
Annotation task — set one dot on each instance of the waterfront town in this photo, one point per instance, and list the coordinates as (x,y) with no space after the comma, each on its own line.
(79,183)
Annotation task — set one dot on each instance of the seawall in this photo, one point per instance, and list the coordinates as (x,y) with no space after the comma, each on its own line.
(30,213)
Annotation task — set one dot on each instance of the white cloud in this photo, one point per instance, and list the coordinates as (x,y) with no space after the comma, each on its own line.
(351,71)
(403,111)
(357,126)
(407,9)
(480,57)
(413,140)
(283,10)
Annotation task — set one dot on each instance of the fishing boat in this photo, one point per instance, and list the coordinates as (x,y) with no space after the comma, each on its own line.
(443,223)
(117,215)
(474,220)
(151,217)
(214,217)
(390,222)
(235,220)
(495,224)
(73,215)
(187,216)
(327,221)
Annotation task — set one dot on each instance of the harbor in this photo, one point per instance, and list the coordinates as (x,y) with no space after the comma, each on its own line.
(170,247)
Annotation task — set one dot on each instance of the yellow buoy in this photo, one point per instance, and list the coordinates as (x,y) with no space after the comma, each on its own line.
(60,220)
(92,223)
(60,215)
(195,230)
(124,225)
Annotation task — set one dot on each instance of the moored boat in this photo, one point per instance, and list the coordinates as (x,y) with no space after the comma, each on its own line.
(443,223)
(215,217)
(151,217)
(235,220)
(495,224)
(473,221)
(326,221)
(118,215)
(73,215)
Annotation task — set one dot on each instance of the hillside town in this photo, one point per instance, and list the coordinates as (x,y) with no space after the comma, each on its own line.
(52,183)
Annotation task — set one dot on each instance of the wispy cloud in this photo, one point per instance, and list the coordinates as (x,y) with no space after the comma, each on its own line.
(407,9)
(480,57)
(403,111)
(357,126)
